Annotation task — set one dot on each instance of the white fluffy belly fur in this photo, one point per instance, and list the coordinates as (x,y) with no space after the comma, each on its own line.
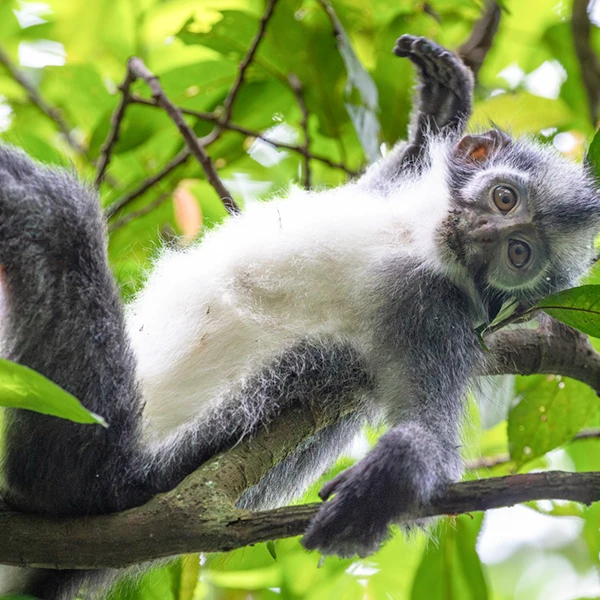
(301,266)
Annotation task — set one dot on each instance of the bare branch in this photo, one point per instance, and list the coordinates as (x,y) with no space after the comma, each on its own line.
(297,89)
(475,49)
(251,133)
(145,185)
(115,122)
(139,70)
(154,531)
(589,64)
(243,66)
(119,223)
(35,97)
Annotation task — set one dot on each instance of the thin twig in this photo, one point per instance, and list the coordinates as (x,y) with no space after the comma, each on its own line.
(139,70)
(296,86)
(115,122)
(145,185)
(475,49)
(119,223)
(51,112)
(250,133)
(243,66)
(489,462)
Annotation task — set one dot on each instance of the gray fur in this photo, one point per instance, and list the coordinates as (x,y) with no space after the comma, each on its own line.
(65,320)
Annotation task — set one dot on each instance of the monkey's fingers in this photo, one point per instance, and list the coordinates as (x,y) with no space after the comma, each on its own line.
(330,487)
(435,63)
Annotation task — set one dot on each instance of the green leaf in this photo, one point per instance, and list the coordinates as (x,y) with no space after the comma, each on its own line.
(272,548)
(22,387)
(551,410)
(521,113)
(509,306)
(593,155)
(591,530)
(578,307)
(363,115)
(451,568)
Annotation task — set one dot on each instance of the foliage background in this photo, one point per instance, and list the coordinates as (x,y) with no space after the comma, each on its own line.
(75,52)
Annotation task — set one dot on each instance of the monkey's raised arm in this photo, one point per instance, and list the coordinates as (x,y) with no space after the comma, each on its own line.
(445,90)
(443,104)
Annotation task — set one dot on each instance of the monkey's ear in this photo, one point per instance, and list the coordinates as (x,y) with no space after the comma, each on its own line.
(478,148)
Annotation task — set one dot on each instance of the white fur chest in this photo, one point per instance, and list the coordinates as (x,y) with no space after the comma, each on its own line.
(303,266)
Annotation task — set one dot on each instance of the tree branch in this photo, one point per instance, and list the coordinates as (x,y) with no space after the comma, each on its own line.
(251,133)
(165,528)
(115,123)
(140,71)
(588,60)
(149,182)
(148,208)
(199,515)
(531,352)
(243,66)
(297,89)
(35,97)
(145,185)
(474,50)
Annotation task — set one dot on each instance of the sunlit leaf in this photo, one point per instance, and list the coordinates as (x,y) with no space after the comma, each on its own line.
(578,307)
(450,568)
(593,155)
(22,387)
(521,113)
(363,115)
(551,410)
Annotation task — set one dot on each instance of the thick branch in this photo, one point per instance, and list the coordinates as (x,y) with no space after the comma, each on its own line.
(164,528)
(199,515)
(530,352)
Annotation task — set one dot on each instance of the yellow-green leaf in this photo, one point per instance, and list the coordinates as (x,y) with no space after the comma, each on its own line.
(22,387)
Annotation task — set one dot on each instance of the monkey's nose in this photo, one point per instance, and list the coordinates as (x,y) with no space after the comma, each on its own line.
(484,232)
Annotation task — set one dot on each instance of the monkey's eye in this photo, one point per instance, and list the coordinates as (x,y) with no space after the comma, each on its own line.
(519,253)
(505,198)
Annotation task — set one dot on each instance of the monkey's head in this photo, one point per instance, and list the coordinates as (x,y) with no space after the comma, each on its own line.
(523,220)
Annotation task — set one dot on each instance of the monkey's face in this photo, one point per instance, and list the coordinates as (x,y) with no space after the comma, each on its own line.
(523,218)
(492,233)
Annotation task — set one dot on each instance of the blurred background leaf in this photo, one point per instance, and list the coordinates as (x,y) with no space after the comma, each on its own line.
(358,98)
